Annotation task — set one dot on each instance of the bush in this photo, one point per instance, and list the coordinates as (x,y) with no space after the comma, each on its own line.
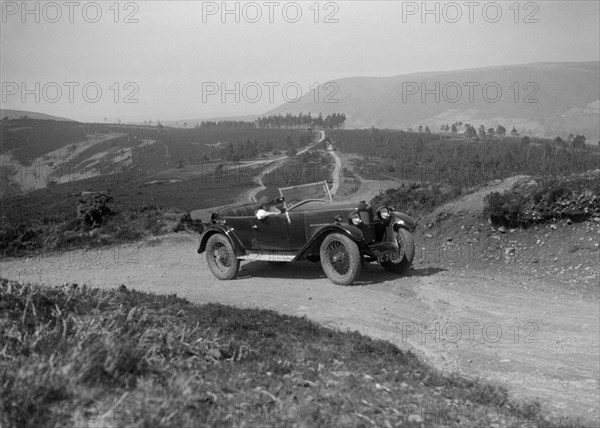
(416,198)
(576,197)
(92,208)
(347,173)
(504,209)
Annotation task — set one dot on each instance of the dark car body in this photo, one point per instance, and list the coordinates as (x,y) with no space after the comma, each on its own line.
(299,230)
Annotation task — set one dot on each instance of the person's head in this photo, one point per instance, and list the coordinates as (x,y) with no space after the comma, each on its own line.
(264,202)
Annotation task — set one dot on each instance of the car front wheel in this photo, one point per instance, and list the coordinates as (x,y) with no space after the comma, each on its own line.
(221,258)
(406,243)
(340,258)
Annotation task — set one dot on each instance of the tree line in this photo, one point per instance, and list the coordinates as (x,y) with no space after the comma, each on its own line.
(288,121)
(460,161)
(332,121)
(574,141)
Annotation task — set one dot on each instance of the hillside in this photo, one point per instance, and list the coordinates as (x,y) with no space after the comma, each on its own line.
(38,153)
(17,114)
(152,175)
(553,99)
(555,249)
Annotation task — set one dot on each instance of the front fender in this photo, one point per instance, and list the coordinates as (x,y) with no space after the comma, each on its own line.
(348,230)
(224,230)
(401,220)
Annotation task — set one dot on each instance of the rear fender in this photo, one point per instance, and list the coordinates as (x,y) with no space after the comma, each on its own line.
(223,230)
(314,243)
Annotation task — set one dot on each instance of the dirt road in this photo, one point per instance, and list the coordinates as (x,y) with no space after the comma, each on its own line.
(271,164)
(335,175)
(541,343)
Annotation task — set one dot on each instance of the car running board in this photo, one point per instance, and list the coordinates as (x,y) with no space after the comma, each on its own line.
(268,256)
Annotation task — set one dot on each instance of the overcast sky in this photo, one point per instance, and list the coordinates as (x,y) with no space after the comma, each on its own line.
(173,54)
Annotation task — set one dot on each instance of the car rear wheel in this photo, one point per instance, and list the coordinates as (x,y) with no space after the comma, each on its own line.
(340,258)
(406,243)
(221,258)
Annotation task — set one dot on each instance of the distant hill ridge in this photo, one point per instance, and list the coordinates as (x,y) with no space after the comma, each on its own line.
(544,99)
(17,114)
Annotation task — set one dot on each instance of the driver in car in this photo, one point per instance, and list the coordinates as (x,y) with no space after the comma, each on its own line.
(266,209)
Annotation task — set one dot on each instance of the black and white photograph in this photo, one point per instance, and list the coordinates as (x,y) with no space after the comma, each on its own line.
(303,213)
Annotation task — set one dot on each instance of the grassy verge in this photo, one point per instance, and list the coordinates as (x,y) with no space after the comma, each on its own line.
(75,356)
(48,220)
(64,231)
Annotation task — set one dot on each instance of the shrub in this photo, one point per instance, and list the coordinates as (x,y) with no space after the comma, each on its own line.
(576,197)
(92,208)
(504,209)
(416,198)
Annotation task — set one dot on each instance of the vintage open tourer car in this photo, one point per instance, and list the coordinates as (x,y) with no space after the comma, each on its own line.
(306,224)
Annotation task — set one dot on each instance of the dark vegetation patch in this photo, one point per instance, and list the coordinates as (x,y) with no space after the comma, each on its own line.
(171,171)
(48,220)
(28,139)
(415,198)
(437,168)
(458,160)
(546,199)
(72,224)
(73,356)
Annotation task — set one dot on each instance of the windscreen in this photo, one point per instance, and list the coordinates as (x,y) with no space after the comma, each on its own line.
(295,194)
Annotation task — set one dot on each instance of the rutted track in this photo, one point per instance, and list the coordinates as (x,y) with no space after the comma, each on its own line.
(336,171)
(273,163)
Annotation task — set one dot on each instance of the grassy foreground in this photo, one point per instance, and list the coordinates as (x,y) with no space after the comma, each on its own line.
(76,356)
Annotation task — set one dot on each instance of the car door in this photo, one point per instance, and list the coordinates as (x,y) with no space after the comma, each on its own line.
(296,230)
(243,229)
(271,233)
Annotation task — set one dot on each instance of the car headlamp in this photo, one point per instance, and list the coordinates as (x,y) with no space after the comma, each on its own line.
(383,213)
(355,219)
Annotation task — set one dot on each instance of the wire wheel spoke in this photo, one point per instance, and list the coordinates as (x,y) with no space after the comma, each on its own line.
(220,256)
(400,255)
(338,257)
